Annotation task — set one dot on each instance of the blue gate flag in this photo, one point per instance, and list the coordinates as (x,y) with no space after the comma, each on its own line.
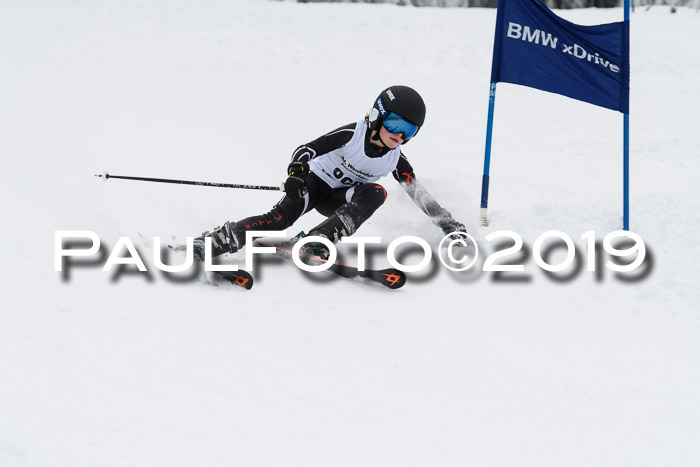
(536,48)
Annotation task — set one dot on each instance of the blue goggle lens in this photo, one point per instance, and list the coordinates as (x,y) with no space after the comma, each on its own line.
(394,123)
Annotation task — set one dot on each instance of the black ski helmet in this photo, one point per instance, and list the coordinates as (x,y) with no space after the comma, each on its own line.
(401,100)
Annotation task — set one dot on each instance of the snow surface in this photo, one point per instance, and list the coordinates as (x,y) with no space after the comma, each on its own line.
(453,369)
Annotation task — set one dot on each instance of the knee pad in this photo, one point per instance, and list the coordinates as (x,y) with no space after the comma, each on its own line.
(372,195)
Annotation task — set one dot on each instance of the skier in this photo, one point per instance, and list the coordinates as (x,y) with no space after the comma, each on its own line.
(336,174)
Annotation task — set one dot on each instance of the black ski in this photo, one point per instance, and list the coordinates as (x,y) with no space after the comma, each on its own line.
(391,278)
(241,278)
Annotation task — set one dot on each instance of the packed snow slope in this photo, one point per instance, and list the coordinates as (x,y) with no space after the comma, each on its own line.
(454,369)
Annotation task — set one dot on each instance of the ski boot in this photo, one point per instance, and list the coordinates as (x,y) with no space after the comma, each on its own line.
(333,229)
(223,241)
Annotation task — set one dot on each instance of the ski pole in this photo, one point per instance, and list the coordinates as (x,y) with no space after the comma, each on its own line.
(105,176)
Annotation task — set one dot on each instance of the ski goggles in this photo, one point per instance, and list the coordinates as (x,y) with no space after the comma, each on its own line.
(395,123)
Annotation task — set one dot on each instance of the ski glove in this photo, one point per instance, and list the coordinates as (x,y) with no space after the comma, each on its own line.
(295,186)
(449,225)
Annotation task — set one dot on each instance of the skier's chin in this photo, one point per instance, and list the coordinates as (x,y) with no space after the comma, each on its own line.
(392,143)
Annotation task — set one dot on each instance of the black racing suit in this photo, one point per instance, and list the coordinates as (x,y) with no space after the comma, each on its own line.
(356,203)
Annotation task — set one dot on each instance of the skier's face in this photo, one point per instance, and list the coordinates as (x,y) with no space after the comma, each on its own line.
(390,140)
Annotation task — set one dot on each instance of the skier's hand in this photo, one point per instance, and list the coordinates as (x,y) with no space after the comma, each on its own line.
(449,225)
(295,185)
(298,169)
